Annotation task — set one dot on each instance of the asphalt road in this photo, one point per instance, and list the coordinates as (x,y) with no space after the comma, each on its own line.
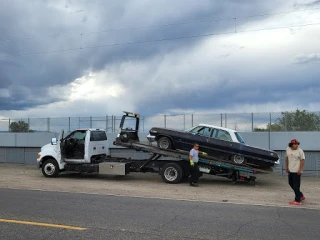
(111,217)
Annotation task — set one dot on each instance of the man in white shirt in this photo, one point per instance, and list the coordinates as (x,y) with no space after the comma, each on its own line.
(294,165)
(194,169)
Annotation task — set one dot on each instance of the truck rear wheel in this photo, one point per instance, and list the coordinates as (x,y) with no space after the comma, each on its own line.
(172,173)
(50,168)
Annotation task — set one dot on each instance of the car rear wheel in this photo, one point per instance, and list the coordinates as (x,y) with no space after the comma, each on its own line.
(238,159)
(164,143)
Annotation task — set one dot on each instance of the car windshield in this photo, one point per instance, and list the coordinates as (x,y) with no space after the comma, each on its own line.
(240,139)
(189,129)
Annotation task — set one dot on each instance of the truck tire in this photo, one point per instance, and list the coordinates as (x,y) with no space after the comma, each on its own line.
(164,143)
(50,168)
(172,173)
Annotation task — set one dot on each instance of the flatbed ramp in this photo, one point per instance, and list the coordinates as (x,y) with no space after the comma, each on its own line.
(207,164)
(183,155)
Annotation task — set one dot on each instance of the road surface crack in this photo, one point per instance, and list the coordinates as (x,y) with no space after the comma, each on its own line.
(279,219)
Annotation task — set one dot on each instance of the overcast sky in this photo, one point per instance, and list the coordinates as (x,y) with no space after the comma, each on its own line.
(99,57)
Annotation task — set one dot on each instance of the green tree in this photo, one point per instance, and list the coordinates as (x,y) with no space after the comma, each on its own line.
(20,126)
(299,121)
(294,121)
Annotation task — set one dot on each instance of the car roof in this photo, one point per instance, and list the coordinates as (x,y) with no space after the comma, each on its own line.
(217,127)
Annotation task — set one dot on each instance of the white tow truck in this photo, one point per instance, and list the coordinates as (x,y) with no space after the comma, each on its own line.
(86,150)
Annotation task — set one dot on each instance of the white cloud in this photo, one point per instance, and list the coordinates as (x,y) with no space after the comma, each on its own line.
(308,58)
(240,66)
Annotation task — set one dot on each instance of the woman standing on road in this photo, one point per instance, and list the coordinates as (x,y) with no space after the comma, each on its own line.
(294,165)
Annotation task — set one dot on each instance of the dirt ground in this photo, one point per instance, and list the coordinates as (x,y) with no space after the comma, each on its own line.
(269,189)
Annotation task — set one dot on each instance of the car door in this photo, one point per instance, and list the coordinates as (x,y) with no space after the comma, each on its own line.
(220,143)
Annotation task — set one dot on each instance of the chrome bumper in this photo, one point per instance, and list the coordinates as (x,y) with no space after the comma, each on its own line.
(151,138)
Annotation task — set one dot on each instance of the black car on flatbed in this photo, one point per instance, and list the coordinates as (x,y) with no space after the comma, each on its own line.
(216,141)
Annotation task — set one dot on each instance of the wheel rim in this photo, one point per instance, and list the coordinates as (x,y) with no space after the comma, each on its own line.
(49,169)
(171,174)
(238,159)
(164,143)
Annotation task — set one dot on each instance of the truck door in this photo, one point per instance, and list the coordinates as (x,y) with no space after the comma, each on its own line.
(73,146)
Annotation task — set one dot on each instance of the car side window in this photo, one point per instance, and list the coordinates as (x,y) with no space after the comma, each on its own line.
(206,131)
(222,135)
(195,130)
(201,130)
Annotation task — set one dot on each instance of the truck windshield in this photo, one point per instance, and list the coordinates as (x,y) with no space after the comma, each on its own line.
(240,139)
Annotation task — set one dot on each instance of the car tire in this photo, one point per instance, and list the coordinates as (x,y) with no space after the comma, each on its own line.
(50,168)
(172,173)
(238,159)
(164,143)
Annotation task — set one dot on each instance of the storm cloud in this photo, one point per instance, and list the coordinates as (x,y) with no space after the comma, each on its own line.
(78,58)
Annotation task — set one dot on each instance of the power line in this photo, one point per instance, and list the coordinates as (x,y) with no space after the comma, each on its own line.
(161,40)
(3,39)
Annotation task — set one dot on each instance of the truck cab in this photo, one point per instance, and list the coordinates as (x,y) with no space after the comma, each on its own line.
(82,146)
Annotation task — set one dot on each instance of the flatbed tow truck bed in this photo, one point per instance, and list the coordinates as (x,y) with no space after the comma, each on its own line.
(179,163)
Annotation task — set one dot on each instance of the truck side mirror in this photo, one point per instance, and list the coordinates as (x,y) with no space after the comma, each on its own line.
(53,141)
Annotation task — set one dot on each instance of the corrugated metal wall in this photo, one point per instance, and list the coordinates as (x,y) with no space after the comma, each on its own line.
(26,156)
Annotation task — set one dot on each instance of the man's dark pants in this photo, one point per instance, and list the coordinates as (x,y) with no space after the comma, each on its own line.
(195,173)
(294,182)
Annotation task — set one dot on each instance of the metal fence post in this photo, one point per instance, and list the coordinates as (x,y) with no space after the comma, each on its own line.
(221,120)
(69,123)
(225,120)
(191,120)
(112,123)
(270,131)
(184,121)
(79,123)
(106,123)
(165,121)
(48,124)
(252,129)
(9,124)
(90,122)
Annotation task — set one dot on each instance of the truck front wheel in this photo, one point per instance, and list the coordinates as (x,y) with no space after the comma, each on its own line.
(172,173)
(50,168)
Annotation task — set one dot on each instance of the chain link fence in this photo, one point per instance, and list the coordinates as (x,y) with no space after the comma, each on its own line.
(243,122)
